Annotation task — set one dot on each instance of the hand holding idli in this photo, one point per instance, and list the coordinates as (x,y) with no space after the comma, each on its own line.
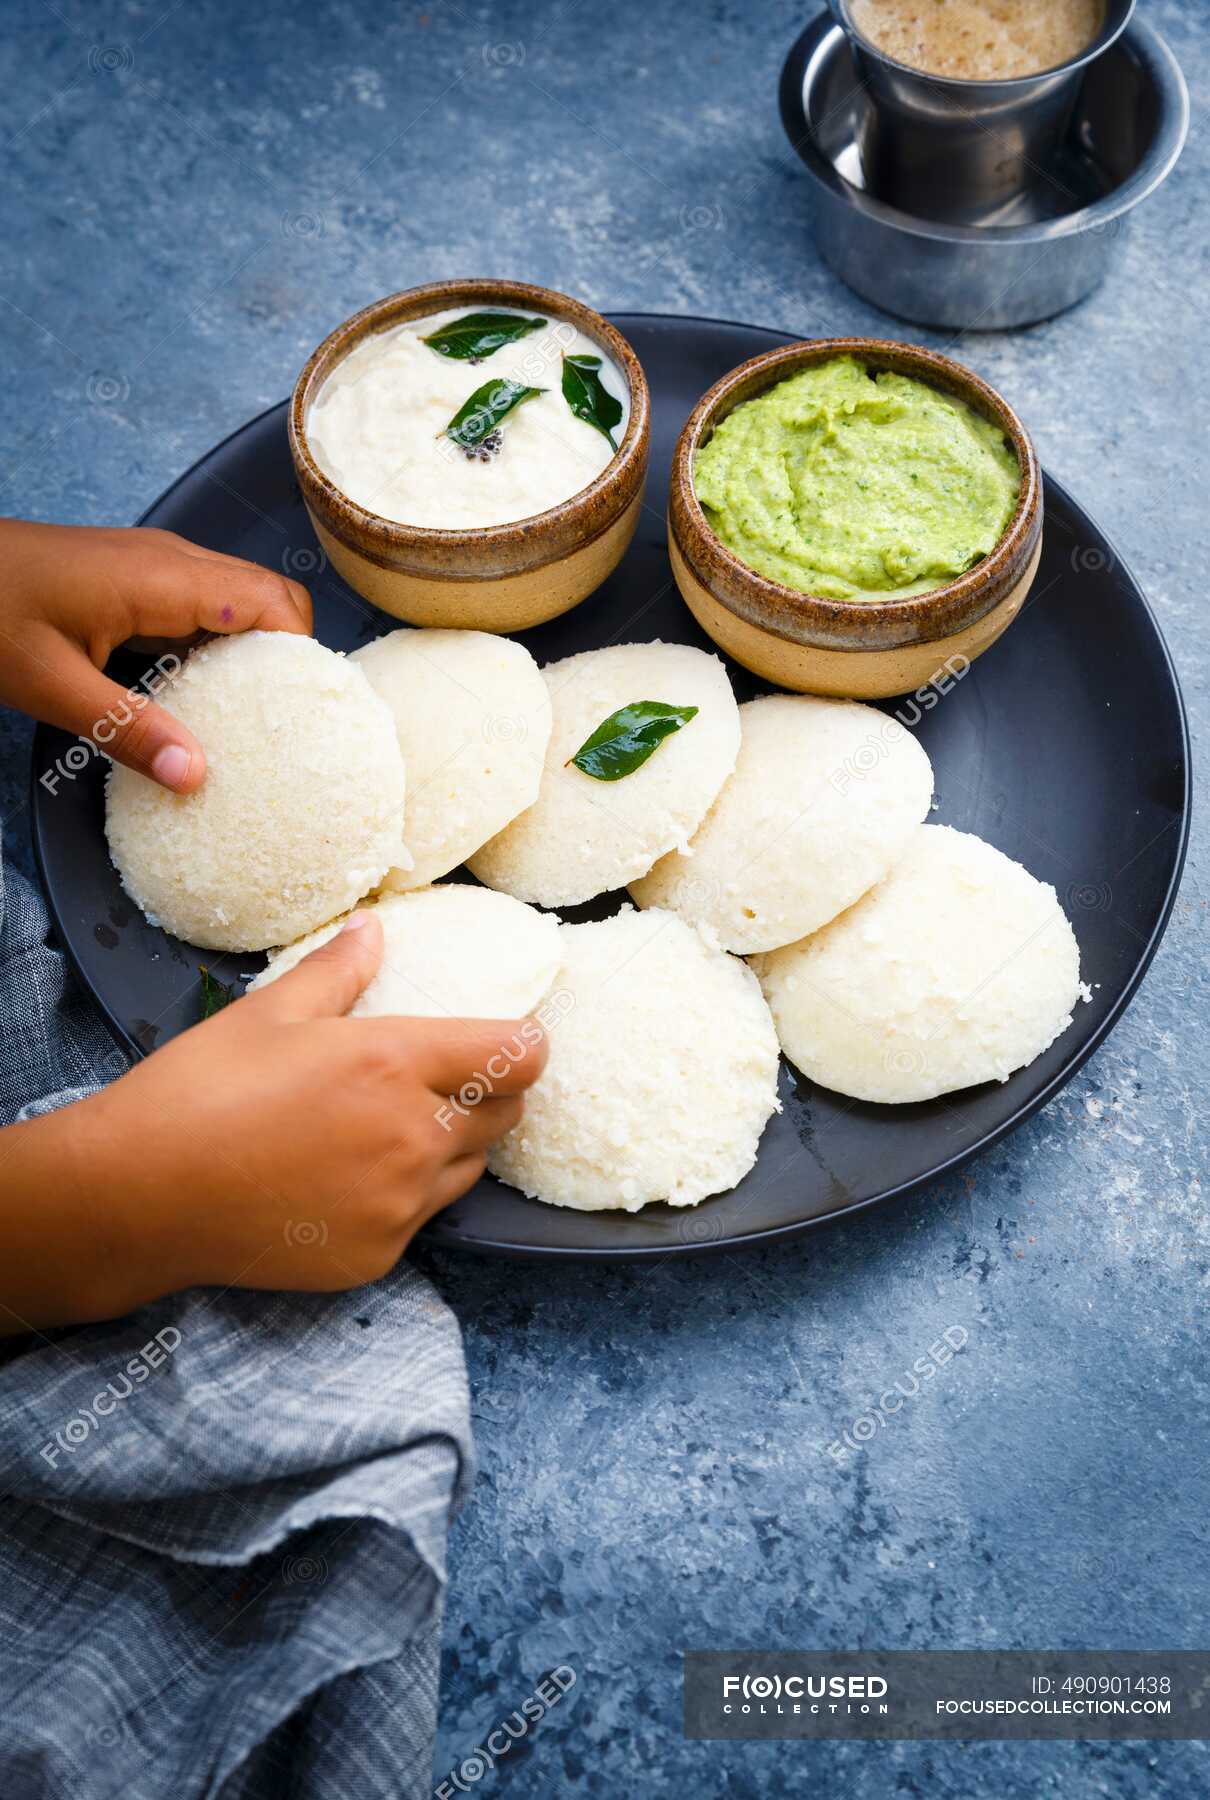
(73,593)
(278,1145)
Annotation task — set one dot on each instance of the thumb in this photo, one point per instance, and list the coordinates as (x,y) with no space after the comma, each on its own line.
(325,983)
(128,726)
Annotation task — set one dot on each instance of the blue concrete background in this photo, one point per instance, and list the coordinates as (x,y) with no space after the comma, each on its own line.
(193,195)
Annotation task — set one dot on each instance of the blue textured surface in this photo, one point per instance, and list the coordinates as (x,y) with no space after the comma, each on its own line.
(193,196)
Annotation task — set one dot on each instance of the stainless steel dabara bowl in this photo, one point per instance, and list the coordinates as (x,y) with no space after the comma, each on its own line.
(1047,248)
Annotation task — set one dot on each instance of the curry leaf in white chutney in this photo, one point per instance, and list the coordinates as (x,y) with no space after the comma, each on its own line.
(588,397)
(487,406)
(476,335)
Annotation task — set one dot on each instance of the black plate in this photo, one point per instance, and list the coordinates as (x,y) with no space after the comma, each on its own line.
(1065,746)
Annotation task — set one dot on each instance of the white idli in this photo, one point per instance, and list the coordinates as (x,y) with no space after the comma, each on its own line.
(473,717)
(301,811)
(448,952)
(583,837)
(958,968)
(662,1072)
(824,797)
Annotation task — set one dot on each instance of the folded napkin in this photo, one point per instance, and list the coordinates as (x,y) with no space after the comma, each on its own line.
(222,1519)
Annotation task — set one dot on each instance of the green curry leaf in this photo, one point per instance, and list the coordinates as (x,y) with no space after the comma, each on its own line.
(623,742)
(215,994)
(588,397)
(477,335)
(477,417)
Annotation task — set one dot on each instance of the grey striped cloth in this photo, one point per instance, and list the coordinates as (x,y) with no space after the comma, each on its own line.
(223,1519)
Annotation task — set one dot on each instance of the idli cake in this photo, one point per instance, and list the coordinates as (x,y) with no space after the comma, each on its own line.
(448,952)
(958,968)
(300,813)
(823,799)
(473,718)
(662,1072)
(586,835)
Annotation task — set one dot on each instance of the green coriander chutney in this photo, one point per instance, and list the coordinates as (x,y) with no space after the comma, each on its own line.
(857,486)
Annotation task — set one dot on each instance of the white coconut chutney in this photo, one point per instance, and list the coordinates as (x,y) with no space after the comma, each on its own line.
(377,426)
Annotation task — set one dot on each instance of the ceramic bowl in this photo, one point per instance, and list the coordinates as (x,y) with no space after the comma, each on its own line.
(493,578)
(866,649)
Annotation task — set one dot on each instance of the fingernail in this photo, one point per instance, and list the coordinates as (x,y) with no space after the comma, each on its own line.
(355,921)
(170,766)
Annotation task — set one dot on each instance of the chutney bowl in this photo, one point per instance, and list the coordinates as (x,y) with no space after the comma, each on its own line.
(855,649)
(487,578)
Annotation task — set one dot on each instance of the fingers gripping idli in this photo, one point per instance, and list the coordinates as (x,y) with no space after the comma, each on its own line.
(824,797)
(473,717)
(958,968)
(301,811)
(448,952)
(662,1072)
(582,836)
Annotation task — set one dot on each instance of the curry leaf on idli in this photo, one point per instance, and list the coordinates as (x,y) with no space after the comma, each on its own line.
(623,742)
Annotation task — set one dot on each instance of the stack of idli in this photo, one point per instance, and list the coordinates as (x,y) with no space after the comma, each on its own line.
(328,777)
(893,960)
(901,960)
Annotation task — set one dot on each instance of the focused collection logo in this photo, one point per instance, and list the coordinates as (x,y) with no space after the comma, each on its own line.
(746,1693)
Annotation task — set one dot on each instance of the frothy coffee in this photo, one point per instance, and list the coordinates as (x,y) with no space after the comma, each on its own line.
(979,40)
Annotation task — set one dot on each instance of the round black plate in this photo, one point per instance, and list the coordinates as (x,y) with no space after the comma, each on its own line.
(1065,746)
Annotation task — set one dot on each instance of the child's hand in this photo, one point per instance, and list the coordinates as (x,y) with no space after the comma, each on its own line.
(278,1145)
(70,594)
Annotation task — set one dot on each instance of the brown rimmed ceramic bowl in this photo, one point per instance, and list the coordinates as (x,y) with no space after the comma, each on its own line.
(858,649)
(497,577)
